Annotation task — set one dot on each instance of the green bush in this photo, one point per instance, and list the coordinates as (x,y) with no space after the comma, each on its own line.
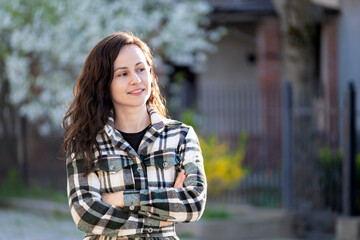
(13,186)
(217,213)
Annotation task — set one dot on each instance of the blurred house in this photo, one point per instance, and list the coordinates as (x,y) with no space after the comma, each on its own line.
(241,91)
(242,79)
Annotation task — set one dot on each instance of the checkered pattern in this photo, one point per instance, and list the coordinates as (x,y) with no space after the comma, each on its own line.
(146,178)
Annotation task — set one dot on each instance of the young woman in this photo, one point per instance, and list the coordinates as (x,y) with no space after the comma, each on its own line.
(132,172)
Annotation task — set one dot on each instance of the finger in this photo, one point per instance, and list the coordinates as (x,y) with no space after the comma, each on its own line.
(104,195)
(183,178)
(178,178)
(177,183)
(163,224)
(106,198)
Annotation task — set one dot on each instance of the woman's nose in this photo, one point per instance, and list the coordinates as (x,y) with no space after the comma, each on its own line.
(135,79)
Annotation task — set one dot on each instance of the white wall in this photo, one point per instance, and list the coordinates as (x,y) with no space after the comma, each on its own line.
(228,89)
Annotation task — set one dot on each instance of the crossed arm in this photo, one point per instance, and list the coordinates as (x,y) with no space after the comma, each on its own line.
(117,198)
(101,215)
(133,211)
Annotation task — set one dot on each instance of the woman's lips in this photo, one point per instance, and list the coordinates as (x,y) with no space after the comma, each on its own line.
(137,92)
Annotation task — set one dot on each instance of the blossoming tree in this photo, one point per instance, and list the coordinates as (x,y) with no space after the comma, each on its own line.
(43,44)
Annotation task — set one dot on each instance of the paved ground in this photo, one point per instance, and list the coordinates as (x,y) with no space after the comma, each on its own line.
(26,225)
(42,220)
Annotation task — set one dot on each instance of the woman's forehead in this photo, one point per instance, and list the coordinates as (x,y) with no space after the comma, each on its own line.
(130,55)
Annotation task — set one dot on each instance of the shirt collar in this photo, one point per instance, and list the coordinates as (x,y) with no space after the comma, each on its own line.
(157,122)
(157,126)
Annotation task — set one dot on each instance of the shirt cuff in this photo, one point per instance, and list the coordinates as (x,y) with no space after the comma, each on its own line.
(132,201)
(150,222)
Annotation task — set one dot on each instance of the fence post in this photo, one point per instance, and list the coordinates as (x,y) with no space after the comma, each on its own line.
(349,131)
(22,153)
(287,148)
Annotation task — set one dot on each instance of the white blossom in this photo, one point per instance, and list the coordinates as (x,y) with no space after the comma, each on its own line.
(17,73)
(45,42)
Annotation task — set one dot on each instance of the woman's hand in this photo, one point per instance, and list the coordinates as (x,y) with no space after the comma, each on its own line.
(179,183)
(116,198)
(180,179)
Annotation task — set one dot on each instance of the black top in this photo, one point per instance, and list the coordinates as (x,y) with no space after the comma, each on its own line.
(134,139)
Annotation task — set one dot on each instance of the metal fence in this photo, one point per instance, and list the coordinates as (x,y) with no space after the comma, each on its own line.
(300,159)
(229,112)
(34,157)
(312,157)
(312,161)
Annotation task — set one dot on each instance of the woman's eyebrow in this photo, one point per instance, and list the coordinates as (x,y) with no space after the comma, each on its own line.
(119,68)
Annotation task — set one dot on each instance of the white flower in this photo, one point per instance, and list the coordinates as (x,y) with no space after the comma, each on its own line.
(47,42)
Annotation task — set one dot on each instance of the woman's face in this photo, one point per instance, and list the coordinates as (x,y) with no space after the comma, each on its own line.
(131,85)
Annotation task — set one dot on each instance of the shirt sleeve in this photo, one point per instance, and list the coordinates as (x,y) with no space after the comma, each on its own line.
(93,216)
(175,204)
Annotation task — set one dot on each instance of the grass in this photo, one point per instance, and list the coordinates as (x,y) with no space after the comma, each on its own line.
(264,197)
(185,235)
(216,213)
(14,187)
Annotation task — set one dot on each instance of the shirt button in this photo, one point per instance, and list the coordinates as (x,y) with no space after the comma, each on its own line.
(132,207)
(139,169)
(150,230)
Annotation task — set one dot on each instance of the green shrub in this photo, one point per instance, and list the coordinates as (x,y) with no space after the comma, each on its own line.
(217,213)
(13,186)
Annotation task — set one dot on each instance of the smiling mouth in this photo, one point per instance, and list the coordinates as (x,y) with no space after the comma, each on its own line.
(136,91)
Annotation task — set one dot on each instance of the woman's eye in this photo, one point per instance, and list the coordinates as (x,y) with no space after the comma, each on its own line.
(141,69)
(122,74)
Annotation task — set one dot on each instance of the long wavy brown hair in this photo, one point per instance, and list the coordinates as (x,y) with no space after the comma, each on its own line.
(90,109)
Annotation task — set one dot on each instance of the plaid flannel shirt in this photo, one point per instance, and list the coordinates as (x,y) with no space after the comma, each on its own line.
(146,178)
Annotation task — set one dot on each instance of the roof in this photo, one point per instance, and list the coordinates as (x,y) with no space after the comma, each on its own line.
(329,4)
(248,6)
(236,11)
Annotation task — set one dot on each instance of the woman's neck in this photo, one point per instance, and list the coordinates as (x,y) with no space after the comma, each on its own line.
(131,120)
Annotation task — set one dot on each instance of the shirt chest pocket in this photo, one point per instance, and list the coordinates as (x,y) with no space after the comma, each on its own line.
(115,173)
(162,168)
